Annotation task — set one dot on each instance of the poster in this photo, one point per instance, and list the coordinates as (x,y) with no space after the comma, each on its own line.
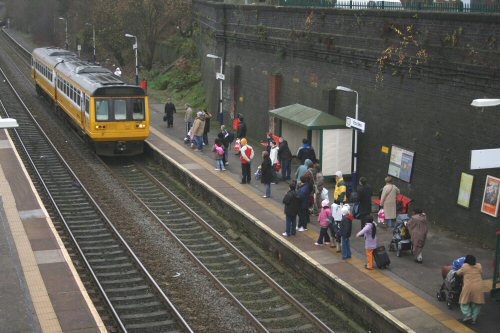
(401,163)
(491,196)
(465,190)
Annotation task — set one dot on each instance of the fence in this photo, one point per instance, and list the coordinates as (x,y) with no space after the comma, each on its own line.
(395,5)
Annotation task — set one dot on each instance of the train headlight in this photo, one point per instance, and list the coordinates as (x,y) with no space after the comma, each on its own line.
(141,125)
(100,127)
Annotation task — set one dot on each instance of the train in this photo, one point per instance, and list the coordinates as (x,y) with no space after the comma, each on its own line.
(111,115)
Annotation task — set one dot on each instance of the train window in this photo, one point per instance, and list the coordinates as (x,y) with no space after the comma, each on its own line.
(120,108)
(102,110)
(137,109)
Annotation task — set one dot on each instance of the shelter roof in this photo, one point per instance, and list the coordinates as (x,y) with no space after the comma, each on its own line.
(309,118)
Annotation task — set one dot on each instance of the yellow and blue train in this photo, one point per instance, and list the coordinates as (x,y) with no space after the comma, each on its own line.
(111,114)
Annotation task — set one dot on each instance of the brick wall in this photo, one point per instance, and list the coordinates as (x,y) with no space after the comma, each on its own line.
(313,51)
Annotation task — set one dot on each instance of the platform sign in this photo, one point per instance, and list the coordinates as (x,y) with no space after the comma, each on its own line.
(220,76)
(357,124)
(485,159)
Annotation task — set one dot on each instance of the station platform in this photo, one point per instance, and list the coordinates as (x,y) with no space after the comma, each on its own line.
(40,290)
(406,291)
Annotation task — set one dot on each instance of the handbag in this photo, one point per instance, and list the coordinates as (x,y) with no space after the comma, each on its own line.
(164,117)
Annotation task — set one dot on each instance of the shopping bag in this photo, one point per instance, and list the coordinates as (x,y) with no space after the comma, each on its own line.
(237,145)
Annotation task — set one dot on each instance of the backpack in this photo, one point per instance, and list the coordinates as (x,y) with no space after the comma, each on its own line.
(219,150)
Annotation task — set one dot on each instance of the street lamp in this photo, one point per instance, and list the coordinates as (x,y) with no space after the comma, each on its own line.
(136,60)
(65,32)
(485,102)
(93,39)
(219,76)
(355,167)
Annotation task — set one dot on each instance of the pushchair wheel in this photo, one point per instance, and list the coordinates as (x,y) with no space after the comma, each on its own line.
(449,304)
(392,248)
(441,296)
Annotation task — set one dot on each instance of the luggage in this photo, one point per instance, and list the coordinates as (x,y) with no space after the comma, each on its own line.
(381,257)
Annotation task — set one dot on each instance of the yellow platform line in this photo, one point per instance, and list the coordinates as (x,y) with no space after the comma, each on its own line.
(45,313)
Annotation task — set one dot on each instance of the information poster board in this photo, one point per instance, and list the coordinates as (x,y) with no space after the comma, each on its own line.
(465,190)
(401,163)
(491,196)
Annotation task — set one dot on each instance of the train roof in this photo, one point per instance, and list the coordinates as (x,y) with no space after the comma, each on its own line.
(89,76)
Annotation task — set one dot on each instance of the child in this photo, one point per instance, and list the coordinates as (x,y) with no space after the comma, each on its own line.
(218,150)
(345,231)
(370,233)
(324,222)
(335,226)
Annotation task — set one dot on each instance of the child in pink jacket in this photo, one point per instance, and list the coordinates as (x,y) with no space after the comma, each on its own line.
(324,223)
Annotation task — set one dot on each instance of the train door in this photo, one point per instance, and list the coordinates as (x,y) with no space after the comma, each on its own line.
(85,111)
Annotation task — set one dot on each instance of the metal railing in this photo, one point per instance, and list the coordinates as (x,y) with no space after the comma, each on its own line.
(394,5)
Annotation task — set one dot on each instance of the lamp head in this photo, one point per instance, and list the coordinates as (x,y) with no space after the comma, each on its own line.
(342,88)
(129,36)
(62,18)
(485,102)
(213,56)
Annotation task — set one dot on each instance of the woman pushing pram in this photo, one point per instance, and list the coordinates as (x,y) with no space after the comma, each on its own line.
(452,284)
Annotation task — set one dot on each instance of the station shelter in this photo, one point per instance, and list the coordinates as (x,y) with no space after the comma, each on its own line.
(331,139)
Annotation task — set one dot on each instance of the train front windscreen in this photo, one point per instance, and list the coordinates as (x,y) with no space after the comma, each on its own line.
(120,109)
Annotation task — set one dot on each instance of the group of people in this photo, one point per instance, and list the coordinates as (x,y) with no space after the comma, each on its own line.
(307,195)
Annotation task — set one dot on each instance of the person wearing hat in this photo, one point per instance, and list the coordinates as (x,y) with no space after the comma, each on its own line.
(324,222)
(345,231)
(292,206)
(246,156)
(197,130)
(388,201)
(340,193)
(118,72)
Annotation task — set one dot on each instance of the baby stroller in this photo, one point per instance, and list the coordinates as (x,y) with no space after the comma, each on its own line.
(401,239)
(450,289)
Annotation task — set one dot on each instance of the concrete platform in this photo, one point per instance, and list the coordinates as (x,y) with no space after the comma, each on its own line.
(40,290)
(406,291)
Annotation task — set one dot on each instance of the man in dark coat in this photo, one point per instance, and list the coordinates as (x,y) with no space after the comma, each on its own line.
(305,189)
(242,129)
(169,112)
(306,152)
(285,158)
(292,206)
(364,199)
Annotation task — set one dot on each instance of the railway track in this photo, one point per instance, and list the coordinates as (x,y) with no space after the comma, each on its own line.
(276,309)
(135,300)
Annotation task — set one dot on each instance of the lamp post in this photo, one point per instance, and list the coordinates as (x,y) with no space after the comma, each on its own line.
(66,44)
(93,40)
(219,76)
(355,164)
(136,59)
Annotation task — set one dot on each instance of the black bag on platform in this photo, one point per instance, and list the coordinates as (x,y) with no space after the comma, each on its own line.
(381,257)
(165,117)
